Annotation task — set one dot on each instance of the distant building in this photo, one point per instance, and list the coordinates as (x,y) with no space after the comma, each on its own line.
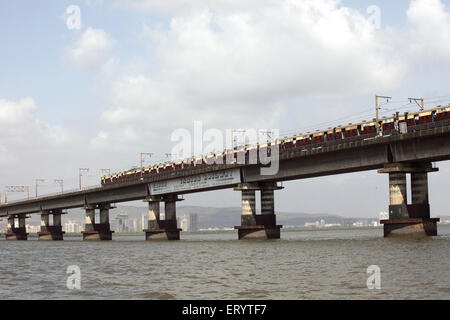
(136,225)
(188,223)
(312,224)
(121,223)
(358,224)
(72,227)
(193,222)
(33,229)
(144,219)
(183,223)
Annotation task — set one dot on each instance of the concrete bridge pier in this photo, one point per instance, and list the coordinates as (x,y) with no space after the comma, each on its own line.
(19,233)
(162,229)
(409,219)
(97,231)
(49,232)
(255,226)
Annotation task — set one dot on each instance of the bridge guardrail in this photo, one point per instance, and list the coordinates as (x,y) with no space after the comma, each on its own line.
(55,194)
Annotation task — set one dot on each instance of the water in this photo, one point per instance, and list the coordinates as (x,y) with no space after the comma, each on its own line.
(302,265)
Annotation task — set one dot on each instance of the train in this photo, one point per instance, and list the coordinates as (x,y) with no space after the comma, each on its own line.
(398,122)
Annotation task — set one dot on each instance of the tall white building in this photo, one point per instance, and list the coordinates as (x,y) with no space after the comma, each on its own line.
(184,223)
(144,219)
(136,225)
(72,227)
(121,222)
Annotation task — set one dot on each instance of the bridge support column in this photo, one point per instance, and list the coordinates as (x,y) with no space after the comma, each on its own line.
(97,231)
(409,219)
(14,233)
(53,232)
(162,229)
(255,226)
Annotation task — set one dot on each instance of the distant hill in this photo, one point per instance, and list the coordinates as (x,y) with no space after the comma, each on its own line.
(231,216)
(223,217)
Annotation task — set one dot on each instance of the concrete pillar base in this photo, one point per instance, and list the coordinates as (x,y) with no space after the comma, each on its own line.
(101,231)
(51,235)
(258,232)
(97,235)
(410,227)
(162,234)
(16,235)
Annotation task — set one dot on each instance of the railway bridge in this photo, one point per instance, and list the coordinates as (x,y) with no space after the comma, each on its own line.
(395,154)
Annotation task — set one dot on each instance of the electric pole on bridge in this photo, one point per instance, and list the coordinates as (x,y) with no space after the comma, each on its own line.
(142,158)
(105,171)
(16,189)
(80,173)
(417,100)
(37,184)
(233,137)
(170,155)
(61,184)
(268,133)
(377,106)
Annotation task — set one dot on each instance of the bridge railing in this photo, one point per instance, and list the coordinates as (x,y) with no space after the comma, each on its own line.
(55,194)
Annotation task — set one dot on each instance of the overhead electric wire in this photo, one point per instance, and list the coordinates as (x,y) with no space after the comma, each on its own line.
(350,118)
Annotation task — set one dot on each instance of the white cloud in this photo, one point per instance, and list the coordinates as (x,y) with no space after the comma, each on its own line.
(236,65)
(170,6)
(429,30)
(94,3)
(23,134)
(291,49)
(90,49)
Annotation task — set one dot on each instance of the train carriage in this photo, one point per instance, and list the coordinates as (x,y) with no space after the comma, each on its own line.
(168,166)
(318,137)
(303,140)
(338,134)
(188,163)
(425,117)
(221,157)
(210,159)
(443,114)
(329,135)
(368,128)
(146,172)
(388,124)
(178,165)
(288,143)
(199,161)
(350,131)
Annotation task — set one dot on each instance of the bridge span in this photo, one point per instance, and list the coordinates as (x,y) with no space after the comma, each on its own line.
(395,154)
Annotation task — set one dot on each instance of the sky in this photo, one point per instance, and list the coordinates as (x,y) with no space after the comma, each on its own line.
(92,84)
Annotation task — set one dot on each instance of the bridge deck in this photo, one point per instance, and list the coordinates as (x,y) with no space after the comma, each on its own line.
(428,142)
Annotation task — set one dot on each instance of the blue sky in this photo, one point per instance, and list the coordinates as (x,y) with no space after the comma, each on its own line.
(104,93)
